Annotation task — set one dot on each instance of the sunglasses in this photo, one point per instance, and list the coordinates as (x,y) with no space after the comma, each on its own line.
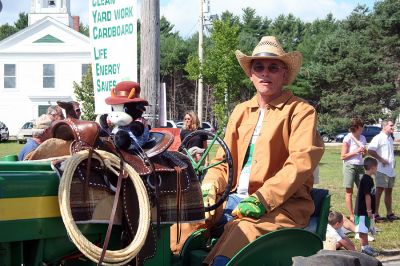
(78,110)
(272,68)
(187,118)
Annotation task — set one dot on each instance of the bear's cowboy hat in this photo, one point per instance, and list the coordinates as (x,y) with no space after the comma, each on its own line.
(125,92)
(270,48)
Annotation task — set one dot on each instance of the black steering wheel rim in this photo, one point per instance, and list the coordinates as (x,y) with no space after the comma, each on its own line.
(228,160)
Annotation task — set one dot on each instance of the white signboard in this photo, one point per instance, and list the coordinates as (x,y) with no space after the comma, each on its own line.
(113,37)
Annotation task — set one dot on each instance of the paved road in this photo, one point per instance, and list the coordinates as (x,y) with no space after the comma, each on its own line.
(391,260)
(394,262)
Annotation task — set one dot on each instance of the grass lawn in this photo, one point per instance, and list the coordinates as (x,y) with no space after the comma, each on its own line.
(330,178)
(10,147)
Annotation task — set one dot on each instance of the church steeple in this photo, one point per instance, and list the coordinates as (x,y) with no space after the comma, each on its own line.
(57,9)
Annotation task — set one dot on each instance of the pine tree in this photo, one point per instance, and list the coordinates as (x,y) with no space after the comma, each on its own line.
(85,95)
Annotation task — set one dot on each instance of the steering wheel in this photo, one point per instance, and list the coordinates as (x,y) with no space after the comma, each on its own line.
(201,169)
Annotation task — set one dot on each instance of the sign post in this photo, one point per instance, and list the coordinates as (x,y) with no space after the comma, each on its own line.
(113,38)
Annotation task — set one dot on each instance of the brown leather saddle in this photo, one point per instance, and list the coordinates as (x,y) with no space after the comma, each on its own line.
(172,185)
(85,134)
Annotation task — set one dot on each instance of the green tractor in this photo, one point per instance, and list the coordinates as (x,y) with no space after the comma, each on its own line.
(32,231)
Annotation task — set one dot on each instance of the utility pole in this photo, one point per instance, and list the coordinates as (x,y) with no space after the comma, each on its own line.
(201,60)
(150,58)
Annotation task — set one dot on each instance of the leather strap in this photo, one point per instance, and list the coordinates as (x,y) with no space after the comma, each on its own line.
(178,203)
(359,144)
(121,175)
(86,183)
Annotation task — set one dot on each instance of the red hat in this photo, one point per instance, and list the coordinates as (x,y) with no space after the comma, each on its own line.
(125,92)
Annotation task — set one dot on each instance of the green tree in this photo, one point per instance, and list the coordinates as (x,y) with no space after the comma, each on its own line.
(354,80)
(252,28)
(22,21)
(7,30)
(386,21)
(288,30)
(84,29)
(174,53)
(85,94)
(221,69)
(314,33)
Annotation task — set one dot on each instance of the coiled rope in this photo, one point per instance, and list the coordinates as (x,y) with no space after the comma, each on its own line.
(91,251)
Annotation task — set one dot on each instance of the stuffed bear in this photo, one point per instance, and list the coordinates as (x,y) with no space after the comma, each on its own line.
(125,122)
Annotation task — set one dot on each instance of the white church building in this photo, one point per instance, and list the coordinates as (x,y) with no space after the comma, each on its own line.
(39,64)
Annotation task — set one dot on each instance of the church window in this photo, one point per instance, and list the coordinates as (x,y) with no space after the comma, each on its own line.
(84,69)
(48,76)
(9,76)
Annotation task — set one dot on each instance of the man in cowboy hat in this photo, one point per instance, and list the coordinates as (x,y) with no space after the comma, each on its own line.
(274,177)
(40,126)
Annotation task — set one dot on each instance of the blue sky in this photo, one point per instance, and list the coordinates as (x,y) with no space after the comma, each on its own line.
(184,14)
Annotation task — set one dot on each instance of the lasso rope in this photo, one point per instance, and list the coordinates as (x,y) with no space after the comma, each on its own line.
(91,251)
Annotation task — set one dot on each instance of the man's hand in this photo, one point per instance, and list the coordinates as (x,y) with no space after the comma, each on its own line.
(249,207)
(209,191)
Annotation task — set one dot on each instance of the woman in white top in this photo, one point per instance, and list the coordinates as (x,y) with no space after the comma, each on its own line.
(353,150)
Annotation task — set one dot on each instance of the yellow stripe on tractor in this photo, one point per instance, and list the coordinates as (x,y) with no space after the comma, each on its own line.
(29,208)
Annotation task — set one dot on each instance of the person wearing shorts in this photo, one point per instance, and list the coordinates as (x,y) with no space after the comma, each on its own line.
(381,148)
(353,150)
(365,205)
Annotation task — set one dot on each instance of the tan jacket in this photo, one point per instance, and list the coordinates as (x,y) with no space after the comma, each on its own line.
(285,155)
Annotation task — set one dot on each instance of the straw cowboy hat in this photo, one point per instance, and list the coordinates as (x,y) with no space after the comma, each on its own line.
(125,92)
(270,48)
(41,124)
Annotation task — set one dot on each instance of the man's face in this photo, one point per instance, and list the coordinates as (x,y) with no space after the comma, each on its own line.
(268,77)
(389,128)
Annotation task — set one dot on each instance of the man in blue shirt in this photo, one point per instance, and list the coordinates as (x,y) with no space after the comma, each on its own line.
(40,125)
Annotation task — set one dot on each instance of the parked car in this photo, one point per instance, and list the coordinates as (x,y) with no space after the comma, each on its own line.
(171,123)
(4,133)
(207,126)
(369,132)
(326,137)
(25,132)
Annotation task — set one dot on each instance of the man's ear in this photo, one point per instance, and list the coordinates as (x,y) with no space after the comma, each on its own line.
(286,77)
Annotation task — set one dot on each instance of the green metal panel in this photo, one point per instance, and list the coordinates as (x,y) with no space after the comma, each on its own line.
(26,166)
(323,218)
(15,184)
(163,253)
(10,157)
(45,240)
(194,248)
(11,231)
(41,240)
(278,248)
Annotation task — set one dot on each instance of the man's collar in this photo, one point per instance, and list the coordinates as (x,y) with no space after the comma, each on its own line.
(277,102)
